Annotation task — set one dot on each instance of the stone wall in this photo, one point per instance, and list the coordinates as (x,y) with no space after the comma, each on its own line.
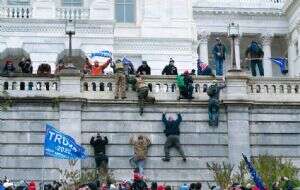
(258,116)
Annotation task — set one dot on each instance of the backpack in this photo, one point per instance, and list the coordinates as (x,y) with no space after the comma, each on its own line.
(180,81)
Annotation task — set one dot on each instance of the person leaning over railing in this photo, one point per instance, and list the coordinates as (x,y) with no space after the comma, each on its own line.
(144,69)
(25,65)
(170,69)
(9,67)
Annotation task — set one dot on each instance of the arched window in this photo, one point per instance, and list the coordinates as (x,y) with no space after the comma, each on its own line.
(94,86)
(109,86)
(85,86)
(22,85)
(125,11)
(5,85)
(102,86)
(30,85)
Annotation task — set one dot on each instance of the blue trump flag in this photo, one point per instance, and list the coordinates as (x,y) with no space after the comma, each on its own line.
(255,177)
(62,146)
(282,63)
(103,53)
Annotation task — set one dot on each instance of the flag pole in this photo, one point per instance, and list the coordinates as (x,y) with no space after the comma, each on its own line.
(43,171)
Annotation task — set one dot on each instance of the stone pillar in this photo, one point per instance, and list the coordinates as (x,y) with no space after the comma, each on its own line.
(237,116)
(291,56)
(237,53)
(266,41)
(70,111)
(203,46)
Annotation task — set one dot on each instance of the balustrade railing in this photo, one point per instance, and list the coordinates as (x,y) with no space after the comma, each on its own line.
(72,13)
(30,86)
(22,12)
(275,4)
(161,87)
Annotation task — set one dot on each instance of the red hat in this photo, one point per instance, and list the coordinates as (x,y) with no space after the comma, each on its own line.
(161,187)
(137,176)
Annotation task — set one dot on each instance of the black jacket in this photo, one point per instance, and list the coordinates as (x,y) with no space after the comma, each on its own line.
(139,185)
(144,69)
(170,70)
(99,145)
(172,127)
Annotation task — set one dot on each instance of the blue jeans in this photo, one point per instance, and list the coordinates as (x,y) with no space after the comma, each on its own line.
(137,164)
(219,66)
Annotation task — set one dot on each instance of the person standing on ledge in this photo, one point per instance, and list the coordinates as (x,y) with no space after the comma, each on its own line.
(99,150)
(219,52)
(140,146)
(213,92)
(170,69)
(120,79)
(172,133)
(255,53)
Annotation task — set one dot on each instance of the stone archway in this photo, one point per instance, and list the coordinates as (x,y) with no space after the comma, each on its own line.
(78,57)
(14,54)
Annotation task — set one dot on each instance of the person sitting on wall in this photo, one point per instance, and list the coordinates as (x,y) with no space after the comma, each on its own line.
(44,70)
(186,88)
(25,65)
(140,145)
(144,69)
(170,69)
(99,150)
(204,68)
(172,133)
(9,67)
(98,69)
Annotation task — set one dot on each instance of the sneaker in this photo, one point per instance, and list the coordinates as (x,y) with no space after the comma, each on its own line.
(166,159)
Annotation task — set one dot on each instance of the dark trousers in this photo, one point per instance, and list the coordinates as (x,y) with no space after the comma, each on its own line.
(143,97)
(173,141)
(213,112)
(259,65)
(101,160)
(187,92)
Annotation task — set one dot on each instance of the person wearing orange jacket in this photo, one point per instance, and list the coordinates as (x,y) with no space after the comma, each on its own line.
(98,69)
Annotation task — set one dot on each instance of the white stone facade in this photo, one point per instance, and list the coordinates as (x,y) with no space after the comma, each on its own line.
(162,29)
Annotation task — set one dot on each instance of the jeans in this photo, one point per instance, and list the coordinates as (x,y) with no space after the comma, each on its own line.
(259,65)
(135,163)
(213,112)
(219,66)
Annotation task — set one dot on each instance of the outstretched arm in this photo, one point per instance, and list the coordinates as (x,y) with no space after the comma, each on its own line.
(105,140)
(164,120)
(92,141)
(179,118)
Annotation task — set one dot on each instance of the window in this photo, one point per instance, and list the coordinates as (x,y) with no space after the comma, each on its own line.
(18,2)
(125,11)
(72,3)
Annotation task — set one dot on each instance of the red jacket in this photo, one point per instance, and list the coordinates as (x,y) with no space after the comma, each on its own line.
(31,186)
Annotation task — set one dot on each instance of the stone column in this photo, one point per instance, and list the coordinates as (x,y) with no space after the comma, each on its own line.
(266,41)
(203,46)
(291,56)
(70,111)
(237,53)
(237,116)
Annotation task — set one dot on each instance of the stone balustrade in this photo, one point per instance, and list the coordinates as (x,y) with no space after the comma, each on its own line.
(161,87)
(72,13)
(275,4)
(22,12)
(30,86)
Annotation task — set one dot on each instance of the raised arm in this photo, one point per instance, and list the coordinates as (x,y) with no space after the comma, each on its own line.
(92,141)
(105,140)
(164,119)
(179,118)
